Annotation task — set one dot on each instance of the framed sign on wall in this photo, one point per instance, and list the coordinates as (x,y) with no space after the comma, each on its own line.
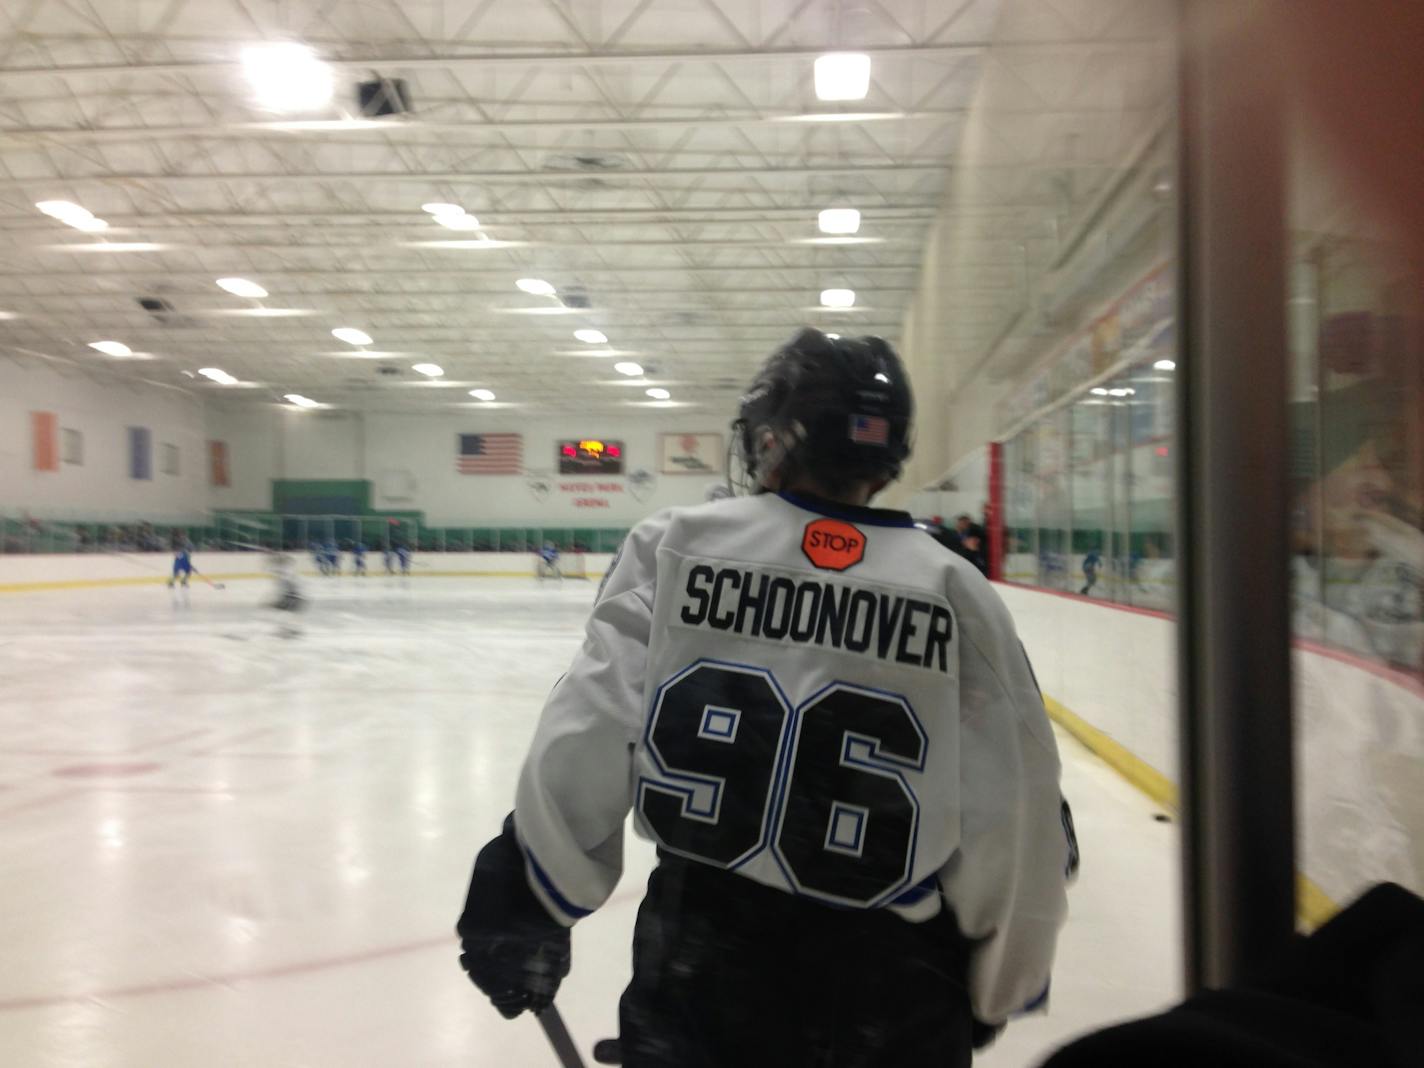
(691,454)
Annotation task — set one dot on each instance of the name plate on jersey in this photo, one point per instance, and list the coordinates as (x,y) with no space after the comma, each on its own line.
(892,624)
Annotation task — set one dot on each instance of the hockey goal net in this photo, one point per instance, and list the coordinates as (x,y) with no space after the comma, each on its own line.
(570,565)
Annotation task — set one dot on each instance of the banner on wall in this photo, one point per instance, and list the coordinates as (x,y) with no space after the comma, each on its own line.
(44,434)
(140,453)
(691,454)
(218,474)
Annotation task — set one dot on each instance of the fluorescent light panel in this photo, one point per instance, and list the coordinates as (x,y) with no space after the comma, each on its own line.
(242,287)
(430,370)
(482,394)
(72,214)
(591,337)
(452,221)
(111,348)
(838,298)
(535,287)
(839,221)
(218,375)
(288,77)
(628,368)
(658,393)
(842,76)
(351,335)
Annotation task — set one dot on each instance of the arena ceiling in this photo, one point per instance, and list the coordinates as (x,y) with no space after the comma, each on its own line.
(660,163)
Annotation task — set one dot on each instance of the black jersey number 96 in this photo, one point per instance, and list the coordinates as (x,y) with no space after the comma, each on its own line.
(822,785)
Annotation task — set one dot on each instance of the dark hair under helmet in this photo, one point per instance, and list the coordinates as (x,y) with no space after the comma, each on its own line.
(836,409)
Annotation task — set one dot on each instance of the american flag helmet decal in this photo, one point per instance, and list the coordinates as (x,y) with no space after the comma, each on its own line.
(869,430)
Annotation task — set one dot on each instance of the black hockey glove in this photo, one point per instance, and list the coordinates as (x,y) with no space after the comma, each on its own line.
(513,950)
(983,1034)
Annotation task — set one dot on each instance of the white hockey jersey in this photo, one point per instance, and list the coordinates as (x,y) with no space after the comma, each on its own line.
(819,698)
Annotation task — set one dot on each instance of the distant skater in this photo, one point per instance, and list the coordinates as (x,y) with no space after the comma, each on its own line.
(403,555)
(1092,564)
(182,564)
(549,561)
(289,596)
(358,559)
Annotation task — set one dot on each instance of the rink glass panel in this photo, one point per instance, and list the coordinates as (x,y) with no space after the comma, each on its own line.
(1356,533)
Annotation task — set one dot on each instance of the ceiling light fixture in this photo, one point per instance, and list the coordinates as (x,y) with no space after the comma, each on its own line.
(482,394)
(536,287)
(218,375)
(242,287)
(838,298)
(72,214)
(840,116)
(288,77)
(839,221)
(300,401)
(591,337)
(429,370)
(112,246)
(351,335)
(111,348)
(1098,391)
(834,337)
(438,207)
(842,76)
(1165,365)
(629,368)
(657,393)
(460,221)
(62,209)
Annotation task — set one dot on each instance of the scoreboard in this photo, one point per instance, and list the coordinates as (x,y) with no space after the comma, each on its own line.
(590,456)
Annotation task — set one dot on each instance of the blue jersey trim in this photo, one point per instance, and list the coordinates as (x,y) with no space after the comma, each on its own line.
(564,904)
(1038,1002)
(872,517)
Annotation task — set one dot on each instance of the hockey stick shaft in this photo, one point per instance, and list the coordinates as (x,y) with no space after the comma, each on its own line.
(205,578)
(558,1035)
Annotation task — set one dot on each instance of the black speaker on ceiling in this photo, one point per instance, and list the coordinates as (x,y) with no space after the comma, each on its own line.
(379,97)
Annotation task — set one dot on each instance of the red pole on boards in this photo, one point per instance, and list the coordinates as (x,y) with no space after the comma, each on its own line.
(994,511)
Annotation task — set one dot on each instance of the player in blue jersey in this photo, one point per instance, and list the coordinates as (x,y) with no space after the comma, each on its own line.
(549,561)
(1092,564)
(388,557)
(182,562)
(403,555)
(358,559)
(318,555)
(333,558)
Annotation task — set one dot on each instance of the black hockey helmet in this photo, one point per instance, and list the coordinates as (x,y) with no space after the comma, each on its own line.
(836,409)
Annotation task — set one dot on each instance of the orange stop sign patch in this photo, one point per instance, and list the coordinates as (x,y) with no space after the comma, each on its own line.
(833,545)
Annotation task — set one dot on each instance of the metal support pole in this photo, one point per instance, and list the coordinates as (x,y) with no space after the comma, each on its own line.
(1234,623)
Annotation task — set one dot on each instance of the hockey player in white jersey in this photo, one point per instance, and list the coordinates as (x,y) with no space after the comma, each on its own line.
(827,724)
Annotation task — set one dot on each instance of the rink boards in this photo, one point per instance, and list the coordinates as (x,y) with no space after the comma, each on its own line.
(22,574)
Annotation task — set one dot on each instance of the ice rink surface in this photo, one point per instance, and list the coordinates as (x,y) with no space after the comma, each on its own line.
(227,847)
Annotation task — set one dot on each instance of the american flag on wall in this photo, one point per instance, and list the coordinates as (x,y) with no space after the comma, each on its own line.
(490,454)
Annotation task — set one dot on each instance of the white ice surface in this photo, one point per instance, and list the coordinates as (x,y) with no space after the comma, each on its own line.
(223,847)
